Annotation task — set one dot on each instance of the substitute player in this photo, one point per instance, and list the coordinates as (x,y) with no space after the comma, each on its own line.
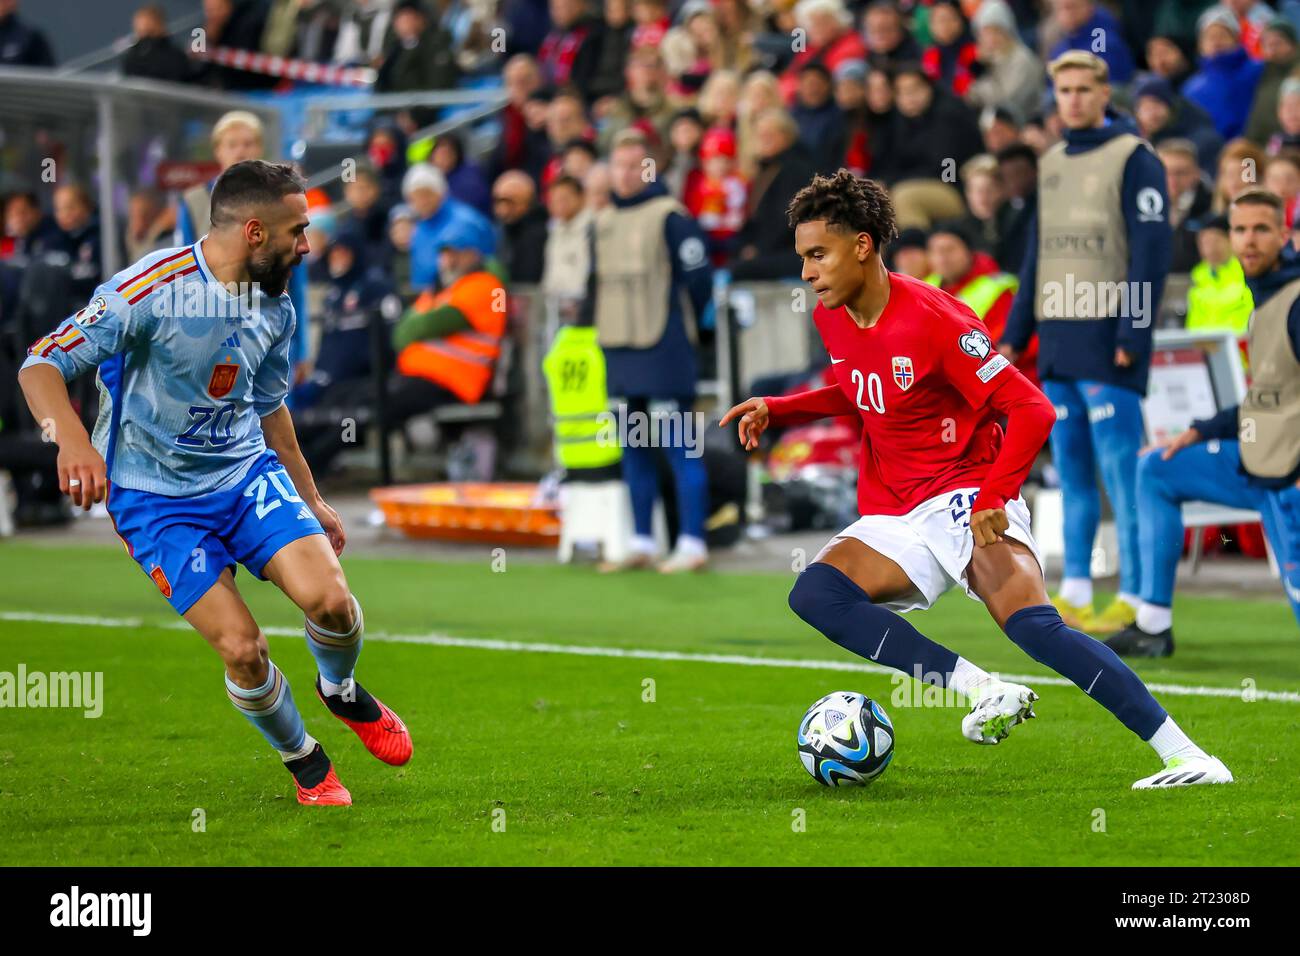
(1247,456)
(938,483)
(196,455)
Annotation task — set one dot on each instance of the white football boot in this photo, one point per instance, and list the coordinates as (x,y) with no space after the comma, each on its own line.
(1186,772)
(999,707)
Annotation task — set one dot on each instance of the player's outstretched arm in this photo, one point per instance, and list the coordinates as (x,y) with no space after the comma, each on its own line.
(82,473)
(753,416)
(756,414)
(280,437)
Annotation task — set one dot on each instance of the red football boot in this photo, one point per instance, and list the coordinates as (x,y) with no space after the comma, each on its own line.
(381,730)
(326,790)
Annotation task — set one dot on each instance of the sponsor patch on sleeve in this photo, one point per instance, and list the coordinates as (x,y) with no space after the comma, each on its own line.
(990,368)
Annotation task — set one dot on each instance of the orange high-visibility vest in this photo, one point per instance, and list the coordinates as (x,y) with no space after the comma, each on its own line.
(461,362)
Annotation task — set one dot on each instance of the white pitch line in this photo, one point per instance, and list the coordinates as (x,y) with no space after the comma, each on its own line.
(582,650)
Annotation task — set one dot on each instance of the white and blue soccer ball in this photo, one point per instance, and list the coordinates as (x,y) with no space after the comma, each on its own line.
(845,740)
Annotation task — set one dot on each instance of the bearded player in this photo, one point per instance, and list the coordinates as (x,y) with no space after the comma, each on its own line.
(938,484)
(195,453)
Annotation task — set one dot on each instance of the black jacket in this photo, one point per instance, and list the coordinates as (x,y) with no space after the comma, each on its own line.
(156,58)
(767,228)
(523,245)
(920,147)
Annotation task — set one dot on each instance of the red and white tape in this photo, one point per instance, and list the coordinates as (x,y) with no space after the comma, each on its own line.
(288,68)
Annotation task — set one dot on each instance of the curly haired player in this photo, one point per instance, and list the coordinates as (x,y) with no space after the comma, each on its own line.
(938,483)
(196,455)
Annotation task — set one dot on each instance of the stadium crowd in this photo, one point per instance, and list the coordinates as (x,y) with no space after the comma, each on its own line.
(737,104)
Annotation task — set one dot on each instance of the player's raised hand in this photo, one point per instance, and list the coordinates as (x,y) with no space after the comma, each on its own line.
(329,520)
(988,525)
(82,474)
(753,416)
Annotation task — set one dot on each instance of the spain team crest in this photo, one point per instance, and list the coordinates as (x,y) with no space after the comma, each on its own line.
(903,374)
(223,380)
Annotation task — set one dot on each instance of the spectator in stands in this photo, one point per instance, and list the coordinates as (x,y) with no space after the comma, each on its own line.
(1288,117)
(437,215)
(950,59)
(386,150)
(1190,199)
(577,157)
(738,24)
(908,253)
(366,216)
(20,44)
(652,22)
(566,121)
(568,55)
(448,342)
(234,25)
(1162,114)
(683,171)
(26,227)
(759,93)
(691,49)
(1218,299)
(1018,170)
(74,213)
(887,39)
(596,187)
(784,167)
(857,123)
(521,79)
(998,128)
(401,232)
(1241,166)
(153,56)
(921,148)
(1103,198)
(719,99)
(1226,78)
(829,41)
(718,201)
(363,30)
(420,58)
(522,219)
(568,243)
(1078,22)
(974,277)
(1170,57)
(989,217)
(648,256)
(1281,56)
(303,29)
(1253,17)
(644,104)
(1011,77)
(342,378)
(465,178)
(818,117)
(1282,178)
(150,222)
(611,44)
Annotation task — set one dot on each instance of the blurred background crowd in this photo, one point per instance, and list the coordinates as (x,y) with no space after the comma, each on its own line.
(733,104)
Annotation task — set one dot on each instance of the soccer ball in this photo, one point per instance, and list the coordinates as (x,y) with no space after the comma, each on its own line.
(845,740)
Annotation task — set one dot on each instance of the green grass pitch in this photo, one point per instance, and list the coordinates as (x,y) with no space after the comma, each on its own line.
(558,758)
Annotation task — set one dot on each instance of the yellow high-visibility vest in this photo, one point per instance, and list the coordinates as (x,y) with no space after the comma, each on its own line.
(575,376)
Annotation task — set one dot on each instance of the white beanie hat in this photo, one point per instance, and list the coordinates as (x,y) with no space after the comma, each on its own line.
(424,176)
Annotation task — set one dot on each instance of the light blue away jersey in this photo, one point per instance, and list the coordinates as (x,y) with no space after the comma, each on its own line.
(186,371)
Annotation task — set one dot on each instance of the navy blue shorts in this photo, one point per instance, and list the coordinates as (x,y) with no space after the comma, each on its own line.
(184,544)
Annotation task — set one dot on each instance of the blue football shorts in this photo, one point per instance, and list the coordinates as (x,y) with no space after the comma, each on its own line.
(184,544)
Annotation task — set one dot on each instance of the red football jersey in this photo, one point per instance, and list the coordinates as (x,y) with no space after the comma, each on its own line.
(920,379)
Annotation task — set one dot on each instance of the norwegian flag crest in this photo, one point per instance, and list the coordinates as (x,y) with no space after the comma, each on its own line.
(904,376)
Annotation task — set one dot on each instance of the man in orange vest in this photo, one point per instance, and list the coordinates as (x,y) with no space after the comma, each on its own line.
(452,337)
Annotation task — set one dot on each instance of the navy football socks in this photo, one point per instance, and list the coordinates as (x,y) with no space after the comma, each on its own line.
(829,600)
(1094,667)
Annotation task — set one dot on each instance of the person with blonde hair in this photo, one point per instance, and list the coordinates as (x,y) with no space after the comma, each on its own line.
(1102,224)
